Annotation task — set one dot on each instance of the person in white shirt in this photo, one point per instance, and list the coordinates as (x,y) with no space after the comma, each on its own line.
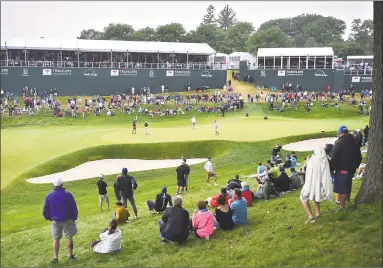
(216,126)
(163,89)
(210,171)
(133,91)
(193,121)
(109,113)
(110,240)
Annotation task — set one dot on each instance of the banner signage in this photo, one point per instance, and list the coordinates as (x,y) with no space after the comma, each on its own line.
(25,72)
(128,72)
(281,73)
(47,71)
(114,72)
(320,73)
(90,72)
(152,73)
(4,71)
(169,73)
(294,73)
(182,73)
(366,79)
(355,79)
(61,72)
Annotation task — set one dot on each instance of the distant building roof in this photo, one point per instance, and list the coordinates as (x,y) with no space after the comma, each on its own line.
(360,57)
(107,46)
(239,54)
(295,51)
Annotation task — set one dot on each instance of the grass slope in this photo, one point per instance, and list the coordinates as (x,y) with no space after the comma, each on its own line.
(276,231)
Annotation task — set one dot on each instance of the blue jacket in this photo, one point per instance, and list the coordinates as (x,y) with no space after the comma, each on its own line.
(60,206)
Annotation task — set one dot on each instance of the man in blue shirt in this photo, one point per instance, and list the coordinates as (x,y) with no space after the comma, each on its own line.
(260,169)
(60,208)
(239,208)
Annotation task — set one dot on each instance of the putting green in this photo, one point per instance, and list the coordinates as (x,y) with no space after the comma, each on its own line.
(26,147)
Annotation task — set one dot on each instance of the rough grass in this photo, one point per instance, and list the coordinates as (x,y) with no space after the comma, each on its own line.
(276,230)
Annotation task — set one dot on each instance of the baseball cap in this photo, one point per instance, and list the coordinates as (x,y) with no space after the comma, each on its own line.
(342,129)
(58,182)
(244,184)
(101,176)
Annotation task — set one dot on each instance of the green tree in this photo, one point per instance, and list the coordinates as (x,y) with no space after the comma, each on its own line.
(371,189)
(172,32)
(344,49)
(362,33)
(272,37)
(91,34)
(210,34)
(226,18)
(209,17)
(144,34)
(118,31)
(237,36)
(311,42)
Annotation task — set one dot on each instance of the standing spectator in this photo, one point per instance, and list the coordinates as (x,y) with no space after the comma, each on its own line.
(365,132)
(146,124)
(181,181)
(60,208)
(117,191)
(318,183)
(187,174)
(162,200)
(103,196)
(174,225)
(345,159)
(239,208)
(126,185)
(358,138)
(210,171)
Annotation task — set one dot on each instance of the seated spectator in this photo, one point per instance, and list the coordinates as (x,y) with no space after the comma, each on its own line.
(162,200)
(293,161)
(260,169)
(267,189)
(282,183)
(213,201)
(223,215)
(122,214)
(174,225)
(239,208)
(360,172)
(247,194)
(274,170)
(110,240)
(234,183)
(296,181)
(202,222)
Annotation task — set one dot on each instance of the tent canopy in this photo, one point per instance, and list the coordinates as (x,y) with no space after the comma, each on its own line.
(295,51)
(360,57)
(107,46)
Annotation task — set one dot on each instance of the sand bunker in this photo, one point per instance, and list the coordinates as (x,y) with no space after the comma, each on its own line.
(308,145)
(111,166)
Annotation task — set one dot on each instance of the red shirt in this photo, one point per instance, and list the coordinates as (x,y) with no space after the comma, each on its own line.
(214,200)
(248,195)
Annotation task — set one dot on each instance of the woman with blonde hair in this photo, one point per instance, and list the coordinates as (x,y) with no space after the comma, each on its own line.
(318,183)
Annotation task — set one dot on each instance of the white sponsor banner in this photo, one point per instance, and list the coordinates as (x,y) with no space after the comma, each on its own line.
(320,73)
(4,71)
(182,73)
(90,72)
(294,73)
(47,71)
(61,72)
(152,73)
(169,73)
(128,72)
(206,74)
(25,72)
(114,72)
(355,79)
(366,79)
(281,73)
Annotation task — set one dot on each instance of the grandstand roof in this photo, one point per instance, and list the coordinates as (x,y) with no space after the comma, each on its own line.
(295,51)
(360,57)
(107,46)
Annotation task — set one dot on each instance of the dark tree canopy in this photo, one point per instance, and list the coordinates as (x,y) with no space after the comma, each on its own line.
(226,35)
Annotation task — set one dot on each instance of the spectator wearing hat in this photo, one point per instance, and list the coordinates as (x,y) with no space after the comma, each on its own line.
(358,138)
(162,201)
(247,193)
(126,185)
(60,208)
(345,159)
(103,196)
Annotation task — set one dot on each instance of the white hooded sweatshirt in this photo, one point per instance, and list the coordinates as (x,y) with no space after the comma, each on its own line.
(109,242)
(318,183)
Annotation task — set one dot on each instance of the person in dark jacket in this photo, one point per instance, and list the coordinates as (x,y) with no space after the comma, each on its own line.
(282,183)
(125,186)
(103,193)
(117,191)
(365,132)
(187,174)
(174,225)
(60,208)
(162,200)
(345,159)
(358,138)
(234,183)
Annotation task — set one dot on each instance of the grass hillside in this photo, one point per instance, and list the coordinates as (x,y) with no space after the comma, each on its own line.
(276,224)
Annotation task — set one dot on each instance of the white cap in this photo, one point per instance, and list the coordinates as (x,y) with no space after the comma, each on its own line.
(58,182)
(243,184)
(357,130)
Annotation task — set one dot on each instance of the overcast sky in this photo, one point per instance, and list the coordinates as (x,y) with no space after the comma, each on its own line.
(65,20)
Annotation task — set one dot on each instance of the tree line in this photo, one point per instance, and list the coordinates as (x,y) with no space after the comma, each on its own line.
(224,33)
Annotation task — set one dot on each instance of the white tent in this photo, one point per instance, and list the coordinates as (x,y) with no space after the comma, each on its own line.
(295,51)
